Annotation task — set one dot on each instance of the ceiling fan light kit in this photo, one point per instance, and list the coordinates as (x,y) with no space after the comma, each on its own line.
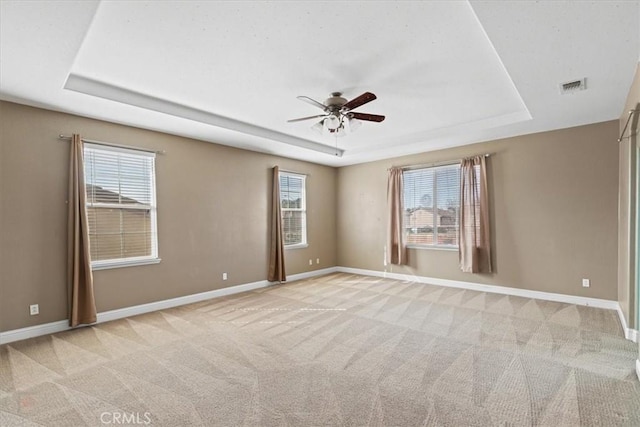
(338,116)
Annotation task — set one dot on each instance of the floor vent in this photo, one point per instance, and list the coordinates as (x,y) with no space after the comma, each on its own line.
(573,86)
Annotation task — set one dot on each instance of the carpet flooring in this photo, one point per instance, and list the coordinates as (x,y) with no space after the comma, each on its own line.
(335,350)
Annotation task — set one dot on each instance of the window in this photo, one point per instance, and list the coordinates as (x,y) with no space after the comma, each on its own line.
(431,206)
(121,206)
(293,205)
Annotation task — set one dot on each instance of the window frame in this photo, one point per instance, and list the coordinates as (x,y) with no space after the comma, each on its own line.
(435,227)
(152,207)
(303,209)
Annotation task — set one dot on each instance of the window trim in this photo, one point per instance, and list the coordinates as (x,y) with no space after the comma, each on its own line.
(305,242)
(153,258)
(296,246)
(435,246)
(123,262)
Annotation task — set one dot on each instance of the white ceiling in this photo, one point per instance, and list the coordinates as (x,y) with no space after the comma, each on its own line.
(445,73)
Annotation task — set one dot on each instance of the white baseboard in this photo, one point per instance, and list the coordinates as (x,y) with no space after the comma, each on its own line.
(175,302)
(33,331)
(630,334)
(310,274)
(638,368)
(63,325)
(526,293)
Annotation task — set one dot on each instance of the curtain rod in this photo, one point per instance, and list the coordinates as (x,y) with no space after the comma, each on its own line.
(293,172)
(625,126)
(110,144)
(290,171)
(434,164)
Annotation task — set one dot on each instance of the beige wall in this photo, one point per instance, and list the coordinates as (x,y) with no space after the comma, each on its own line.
(627,206)
(554,200)
(212,216)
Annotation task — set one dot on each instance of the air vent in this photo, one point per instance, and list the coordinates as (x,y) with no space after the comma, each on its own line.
(573,86)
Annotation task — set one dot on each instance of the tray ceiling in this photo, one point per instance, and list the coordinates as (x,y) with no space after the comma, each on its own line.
(445,73)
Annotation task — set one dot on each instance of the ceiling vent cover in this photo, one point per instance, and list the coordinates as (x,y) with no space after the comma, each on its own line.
(573,86)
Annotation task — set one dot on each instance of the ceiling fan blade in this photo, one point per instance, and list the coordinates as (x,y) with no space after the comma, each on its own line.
(306,118)
(360,100)
(312,102)
(367,117)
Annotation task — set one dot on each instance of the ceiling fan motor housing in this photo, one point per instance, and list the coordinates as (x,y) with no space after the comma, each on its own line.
(335,102)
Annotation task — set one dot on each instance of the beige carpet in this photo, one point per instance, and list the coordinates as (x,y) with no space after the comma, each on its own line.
(335,350)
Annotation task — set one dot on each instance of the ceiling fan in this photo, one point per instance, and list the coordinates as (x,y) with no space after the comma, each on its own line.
(339,114)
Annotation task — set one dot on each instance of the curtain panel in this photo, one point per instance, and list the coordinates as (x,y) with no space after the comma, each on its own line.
(396,249)
(474,238)
(276,253)
(82,306)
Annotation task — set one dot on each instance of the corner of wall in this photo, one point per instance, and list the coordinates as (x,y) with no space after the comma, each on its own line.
(628,208)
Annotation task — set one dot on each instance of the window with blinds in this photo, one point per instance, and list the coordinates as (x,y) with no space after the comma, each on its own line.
(121,205)
(431,206)
(293,205)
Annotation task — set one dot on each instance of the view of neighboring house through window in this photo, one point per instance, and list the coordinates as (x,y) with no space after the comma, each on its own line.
(431,206)
(293,205)
(121,205)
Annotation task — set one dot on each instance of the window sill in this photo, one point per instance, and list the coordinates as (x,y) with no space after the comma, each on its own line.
(106,265)
(437,248)
(298,246)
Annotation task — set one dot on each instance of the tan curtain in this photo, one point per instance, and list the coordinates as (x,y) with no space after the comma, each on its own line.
(474,241)
(396,250)
(276,256)
(82,306)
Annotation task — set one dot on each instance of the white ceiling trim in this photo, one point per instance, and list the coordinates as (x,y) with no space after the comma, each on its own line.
(93,87)
(446,73)
(455,134)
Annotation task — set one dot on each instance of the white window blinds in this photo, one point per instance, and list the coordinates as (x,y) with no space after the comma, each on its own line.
(431,205)
(293,205)
(121,204)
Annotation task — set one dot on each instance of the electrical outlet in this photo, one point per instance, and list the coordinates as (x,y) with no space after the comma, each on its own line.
(224,276)
(586,283)
(317,260)
(310,262)
(34,309)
